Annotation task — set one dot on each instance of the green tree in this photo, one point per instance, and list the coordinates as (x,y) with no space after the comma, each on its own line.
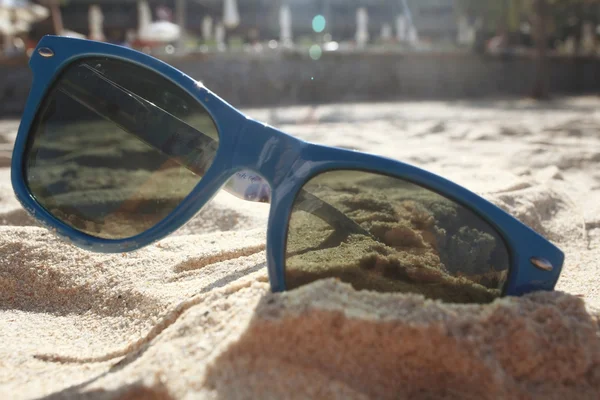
(558,17)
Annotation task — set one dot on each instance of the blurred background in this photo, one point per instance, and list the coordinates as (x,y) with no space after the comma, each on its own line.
(264,53)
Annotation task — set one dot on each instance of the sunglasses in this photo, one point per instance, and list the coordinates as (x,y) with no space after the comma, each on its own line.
(117,149)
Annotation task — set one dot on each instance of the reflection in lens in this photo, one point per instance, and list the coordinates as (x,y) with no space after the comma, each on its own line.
(116,147)
(420,242)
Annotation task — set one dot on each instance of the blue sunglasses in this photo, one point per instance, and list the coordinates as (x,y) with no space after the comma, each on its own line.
(117,149)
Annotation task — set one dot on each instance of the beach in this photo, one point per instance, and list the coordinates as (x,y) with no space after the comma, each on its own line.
(192,316)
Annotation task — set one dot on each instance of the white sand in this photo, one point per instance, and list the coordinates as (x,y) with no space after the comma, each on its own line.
(192,316)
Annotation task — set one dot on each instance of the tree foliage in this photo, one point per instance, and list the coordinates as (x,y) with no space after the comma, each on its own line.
(547,19)
(562,15)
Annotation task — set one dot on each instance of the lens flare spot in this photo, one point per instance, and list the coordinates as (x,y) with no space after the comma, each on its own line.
(315,52)
(318,23)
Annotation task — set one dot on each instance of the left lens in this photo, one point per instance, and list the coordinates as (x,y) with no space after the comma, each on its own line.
(412,240)
(116,147)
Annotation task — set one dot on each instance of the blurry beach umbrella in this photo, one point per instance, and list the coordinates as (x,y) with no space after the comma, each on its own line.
(207,26)
(9,28)
(362,27)
(155,32)
(413,36)
(19,11)
(466,31)
(231,16)
(285,24)
(160,32)
(96,20)
(220,34)
(9,31)
(400,28)
(16,17)
(386,32)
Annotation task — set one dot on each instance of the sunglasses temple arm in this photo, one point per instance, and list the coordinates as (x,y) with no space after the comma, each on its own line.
(179,141)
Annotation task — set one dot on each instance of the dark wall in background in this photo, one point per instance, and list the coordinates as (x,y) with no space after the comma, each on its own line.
(286,79)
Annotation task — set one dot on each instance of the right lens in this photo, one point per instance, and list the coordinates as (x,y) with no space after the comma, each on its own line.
(116,147)
(385,234)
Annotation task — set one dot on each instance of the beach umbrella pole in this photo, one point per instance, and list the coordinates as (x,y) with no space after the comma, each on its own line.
(285,25)
(57,21)
(180,11)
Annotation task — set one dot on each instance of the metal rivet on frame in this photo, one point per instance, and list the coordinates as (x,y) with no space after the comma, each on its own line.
(541,264)
(45,52)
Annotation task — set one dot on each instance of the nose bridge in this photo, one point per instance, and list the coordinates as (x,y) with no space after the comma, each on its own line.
(266,150)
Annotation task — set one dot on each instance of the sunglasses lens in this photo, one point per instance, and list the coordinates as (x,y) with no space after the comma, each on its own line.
(385,234)
(116,147)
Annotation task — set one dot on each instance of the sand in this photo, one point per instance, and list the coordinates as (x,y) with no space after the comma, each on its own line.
(192,316)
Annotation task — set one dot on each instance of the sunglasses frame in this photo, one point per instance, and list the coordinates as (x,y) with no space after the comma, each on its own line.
(285,162)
